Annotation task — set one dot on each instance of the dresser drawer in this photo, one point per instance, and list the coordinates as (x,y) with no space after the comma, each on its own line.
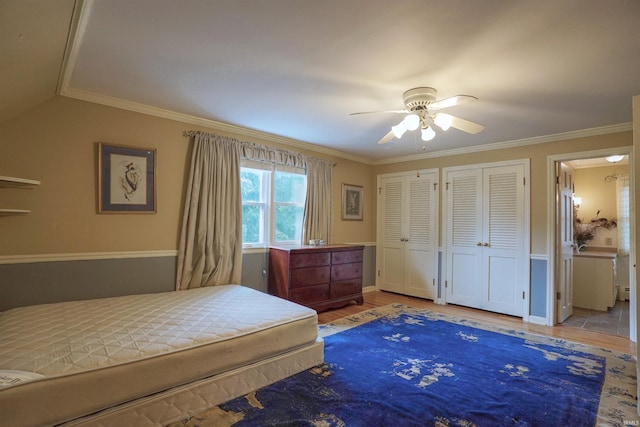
(346,287)
(346,271)
(309,276)
(344,257)
(310,259)
(310,294)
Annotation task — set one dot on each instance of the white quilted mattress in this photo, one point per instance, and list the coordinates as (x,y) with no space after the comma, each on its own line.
(75,358)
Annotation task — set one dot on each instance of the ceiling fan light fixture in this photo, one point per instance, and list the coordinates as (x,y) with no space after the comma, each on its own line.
(428,134)
(443,121)
(411,121)
(399,129)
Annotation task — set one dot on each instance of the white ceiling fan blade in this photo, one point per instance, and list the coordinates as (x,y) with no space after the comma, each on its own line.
(450,102)
(388,137)
(464,125)
(377,112)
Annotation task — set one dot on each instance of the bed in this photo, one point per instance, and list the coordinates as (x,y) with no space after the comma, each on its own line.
(148,359)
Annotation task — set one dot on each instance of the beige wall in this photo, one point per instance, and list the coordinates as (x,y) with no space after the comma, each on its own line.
(55,142)
(538,155)
(598,194)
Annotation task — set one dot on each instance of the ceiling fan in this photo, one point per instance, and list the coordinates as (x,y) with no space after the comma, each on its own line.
(423,111)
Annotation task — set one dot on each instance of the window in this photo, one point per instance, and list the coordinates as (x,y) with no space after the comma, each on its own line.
(272,203)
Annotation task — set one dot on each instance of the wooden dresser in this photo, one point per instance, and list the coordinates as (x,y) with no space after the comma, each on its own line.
(319,277)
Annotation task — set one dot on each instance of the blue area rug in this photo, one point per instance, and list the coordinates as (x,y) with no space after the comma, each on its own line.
(417,368)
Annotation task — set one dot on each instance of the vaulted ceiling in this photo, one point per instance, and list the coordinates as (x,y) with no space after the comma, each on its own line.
(541,70)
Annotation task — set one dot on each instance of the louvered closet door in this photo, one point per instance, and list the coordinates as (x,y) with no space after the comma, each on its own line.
(503,240)
(408,233)
(464,238)
(422,242)
(391,261)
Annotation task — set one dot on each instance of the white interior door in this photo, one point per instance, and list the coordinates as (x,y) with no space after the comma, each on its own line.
(564,237)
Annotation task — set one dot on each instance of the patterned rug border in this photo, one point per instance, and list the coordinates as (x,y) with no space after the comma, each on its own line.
(618,400)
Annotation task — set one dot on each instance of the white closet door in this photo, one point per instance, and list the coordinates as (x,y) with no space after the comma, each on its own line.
(503,240)
(391,196)
(422,243)
(464,237)
(408,233)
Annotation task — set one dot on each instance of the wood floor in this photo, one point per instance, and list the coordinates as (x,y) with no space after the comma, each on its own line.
(375,299)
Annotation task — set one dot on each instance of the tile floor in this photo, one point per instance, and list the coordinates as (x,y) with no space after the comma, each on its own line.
(615,321)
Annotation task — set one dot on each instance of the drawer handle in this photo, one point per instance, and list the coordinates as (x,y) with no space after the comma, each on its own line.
(297,278)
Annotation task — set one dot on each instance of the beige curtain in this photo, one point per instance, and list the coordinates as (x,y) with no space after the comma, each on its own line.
(317,209)
(210,249)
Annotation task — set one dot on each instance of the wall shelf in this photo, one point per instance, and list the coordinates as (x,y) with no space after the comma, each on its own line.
(13,182)
(7,212)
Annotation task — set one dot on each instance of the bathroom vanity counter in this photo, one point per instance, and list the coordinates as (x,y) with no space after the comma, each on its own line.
(594,280)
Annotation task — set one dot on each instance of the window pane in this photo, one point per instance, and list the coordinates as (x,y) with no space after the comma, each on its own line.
(289,223)
(290,188)
(252,224)
(251,184)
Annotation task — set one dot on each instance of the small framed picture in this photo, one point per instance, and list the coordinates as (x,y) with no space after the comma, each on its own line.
(126,179)
(352,202)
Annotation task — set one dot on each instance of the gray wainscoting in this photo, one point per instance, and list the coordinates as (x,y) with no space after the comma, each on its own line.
(25,284)
(538,300)
(30,283)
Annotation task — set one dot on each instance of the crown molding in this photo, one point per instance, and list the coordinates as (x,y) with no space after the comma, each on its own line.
(199,121)
(264,136)
(603,130)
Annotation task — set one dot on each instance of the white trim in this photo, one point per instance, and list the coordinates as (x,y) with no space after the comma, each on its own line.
(603,130)
(371,288)
(541,257)
(255,250)
(537,320)
(362,243)
(83,256)
(77,29)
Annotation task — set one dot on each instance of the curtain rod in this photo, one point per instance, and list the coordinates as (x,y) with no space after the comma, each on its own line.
(191,133)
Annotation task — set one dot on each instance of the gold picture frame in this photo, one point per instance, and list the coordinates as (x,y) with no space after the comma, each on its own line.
(352,202)
(126,179)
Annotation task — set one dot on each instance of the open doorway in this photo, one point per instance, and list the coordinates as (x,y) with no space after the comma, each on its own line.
(597,292)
